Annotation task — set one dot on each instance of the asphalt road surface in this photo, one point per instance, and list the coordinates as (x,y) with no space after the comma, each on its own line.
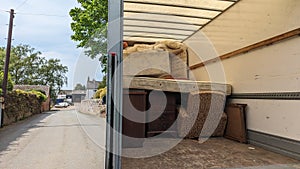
(61,139)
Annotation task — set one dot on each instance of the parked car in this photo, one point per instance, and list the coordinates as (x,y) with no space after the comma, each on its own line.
(70,103)
(62,105)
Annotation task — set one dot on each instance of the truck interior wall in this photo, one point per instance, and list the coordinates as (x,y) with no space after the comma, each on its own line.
(250,21)
(274,68)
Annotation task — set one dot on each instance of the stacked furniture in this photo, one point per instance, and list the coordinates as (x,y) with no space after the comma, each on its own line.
(190,104)
(204,115)
(160,71)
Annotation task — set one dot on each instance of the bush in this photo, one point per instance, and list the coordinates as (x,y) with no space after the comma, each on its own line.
(38,94)
(19,105)
(100,93)
(19,91)
(10,84)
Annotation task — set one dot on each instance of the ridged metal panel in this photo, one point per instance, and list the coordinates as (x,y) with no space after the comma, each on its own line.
(272,96)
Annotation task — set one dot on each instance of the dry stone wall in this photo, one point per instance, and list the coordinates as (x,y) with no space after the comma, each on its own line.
(92,107)
(19,106)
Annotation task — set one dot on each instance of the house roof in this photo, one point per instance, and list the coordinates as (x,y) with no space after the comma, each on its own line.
(81,92)
(92,84)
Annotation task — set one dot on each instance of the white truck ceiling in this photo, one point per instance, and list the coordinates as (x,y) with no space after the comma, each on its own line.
(157,20)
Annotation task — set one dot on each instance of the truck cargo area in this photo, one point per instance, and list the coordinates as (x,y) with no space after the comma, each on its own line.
(185,62)
(214,153)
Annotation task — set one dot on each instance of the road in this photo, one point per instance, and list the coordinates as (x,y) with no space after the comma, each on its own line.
(54,140)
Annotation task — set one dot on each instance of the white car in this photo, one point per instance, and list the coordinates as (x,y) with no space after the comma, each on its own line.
(62,105)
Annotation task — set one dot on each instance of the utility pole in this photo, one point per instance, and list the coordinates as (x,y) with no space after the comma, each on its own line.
(6,65)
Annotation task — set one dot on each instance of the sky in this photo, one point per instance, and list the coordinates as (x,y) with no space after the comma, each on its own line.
(45,26)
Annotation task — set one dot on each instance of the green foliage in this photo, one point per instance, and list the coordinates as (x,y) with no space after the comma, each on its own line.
(79,87)
(102,84)
(38,94)
(24,63)
(19,91)
(90,26)
(19,105)
(100,93)
(53,75)
(41,96)
(10,84)
(2,55)
(27,67)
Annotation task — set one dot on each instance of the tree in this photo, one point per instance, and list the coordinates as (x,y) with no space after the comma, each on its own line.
(79,87)
(89,26)
(102,84)
(53,74)
(24,64)
(27,67)
(10,83)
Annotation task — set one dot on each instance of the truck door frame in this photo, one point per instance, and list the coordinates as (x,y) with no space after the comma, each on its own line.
(114,97)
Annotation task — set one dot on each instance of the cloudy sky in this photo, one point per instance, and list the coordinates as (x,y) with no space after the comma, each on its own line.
(45,26)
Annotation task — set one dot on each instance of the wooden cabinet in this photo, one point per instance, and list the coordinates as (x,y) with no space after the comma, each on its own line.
(135,106)
(133,124)
(165,115)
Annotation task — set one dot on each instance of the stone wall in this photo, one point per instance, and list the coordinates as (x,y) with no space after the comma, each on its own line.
(19,106)
(92,106)
(46,104)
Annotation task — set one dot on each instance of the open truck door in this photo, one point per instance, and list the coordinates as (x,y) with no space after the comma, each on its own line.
(114,85)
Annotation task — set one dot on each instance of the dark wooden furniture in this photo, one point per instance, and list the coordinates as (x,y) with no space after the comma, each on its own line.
(165,115)
(152,116)
(133,124)
(236,122)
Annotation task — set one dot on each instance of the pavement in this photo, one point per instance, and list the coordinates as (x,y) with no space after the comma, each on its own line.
(61,139)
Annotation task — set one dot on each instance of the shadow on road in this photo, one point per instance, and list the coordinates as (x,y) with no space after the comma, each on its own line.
(11,133)
(68,125)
